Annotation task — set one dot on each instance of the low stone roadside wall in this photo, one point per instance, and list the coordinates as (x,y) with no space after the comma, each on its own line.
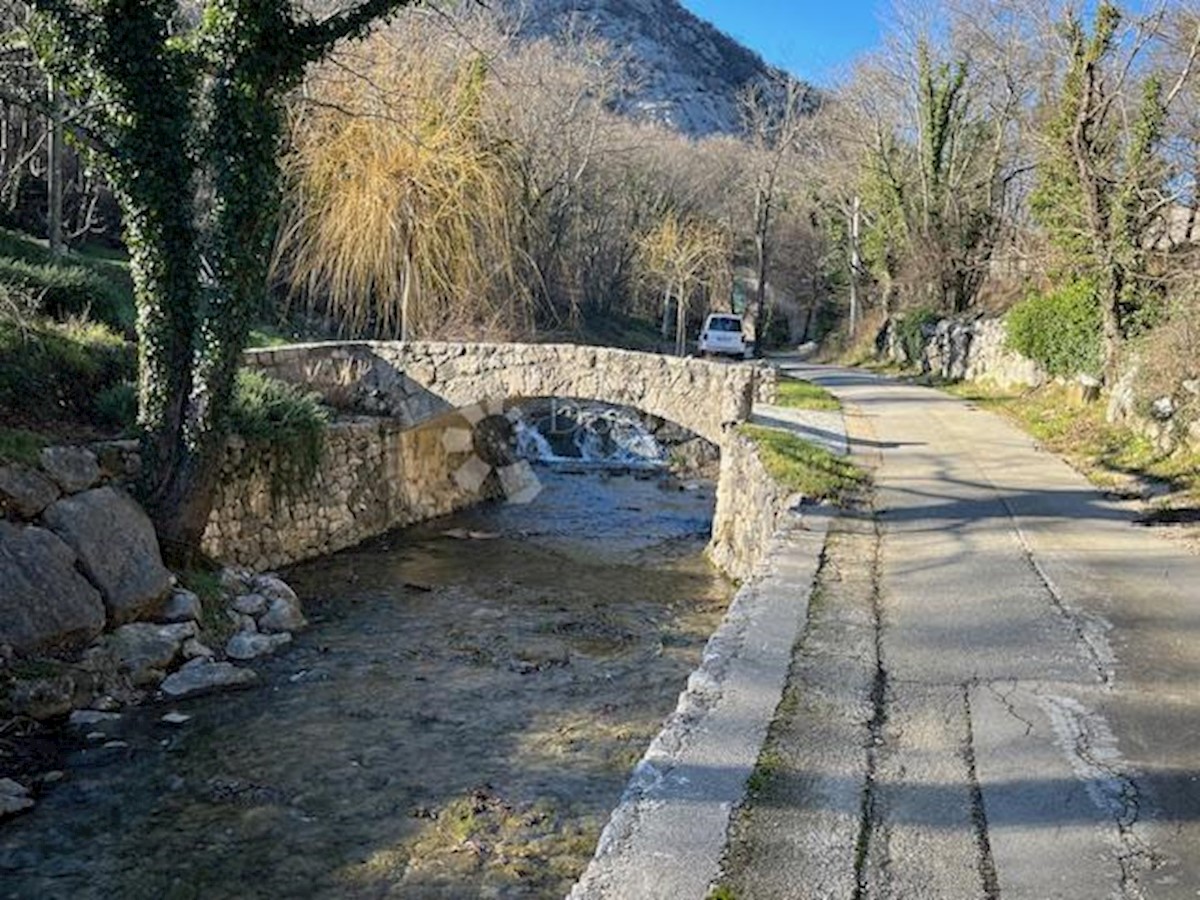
(974,349)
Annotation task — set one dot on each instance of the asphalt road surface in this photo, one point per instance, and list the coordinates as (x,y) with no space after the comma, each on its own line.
(1012,670)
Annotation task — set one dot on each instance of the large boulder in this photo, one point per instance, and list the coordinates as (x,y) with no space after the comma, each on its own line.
(117,548)
(74,468)
(45,604)
(25,492)
(146,650)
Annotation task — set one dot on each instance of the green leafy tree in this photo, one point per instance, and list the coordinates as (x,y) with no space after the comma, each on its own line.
(186,122)
(1102,178)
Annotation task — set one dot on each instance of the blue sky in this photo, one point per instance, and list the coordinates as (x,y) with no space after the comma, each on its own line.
(810,38)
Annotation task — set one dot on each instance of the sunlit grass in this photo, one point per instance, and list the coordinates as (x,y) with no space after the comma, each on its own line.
(798,394)
(1079,432)
(805,468)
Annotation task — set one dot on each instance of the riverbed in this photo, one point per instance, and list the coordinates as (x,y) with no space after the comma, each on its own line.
(459,720)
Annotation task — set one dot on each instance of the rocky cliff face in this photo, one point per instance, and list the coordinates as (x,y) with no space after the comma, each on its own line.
(682,71)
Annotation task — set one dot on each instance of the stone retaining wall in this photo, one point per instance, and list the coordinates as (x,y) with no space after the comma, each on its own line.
(750,509)
(969,350)
(375,475)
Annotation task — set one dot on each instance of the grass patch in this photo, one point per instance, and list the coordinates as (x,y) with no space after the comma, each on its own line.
(768,766)
(1103,452)
(53,373)
(799,394)
(95,283)
(804,467)
(216,625)
(266,336)
(20,446)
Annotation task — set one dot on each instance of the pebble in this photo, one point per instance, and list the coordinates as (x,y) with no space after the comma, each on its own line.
(175,718)
(89,718)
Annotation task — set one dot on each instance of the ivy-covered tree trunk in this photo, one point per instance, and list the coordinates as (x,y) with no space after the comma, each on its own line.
(187,121)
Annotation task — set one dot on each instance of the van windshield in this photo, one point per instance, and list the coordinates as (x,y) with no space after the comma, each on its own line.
(725,323)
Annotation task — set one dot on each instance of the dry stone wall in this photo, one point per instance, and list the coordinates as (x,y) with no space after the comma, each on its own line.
(970,349)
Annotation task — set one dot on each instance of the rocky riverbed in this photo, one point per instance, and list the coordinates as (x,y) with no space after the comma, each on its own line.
(458,722)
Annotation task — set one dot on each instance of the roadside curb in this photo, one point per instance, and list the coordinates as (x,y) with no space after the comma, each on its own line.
(666,837)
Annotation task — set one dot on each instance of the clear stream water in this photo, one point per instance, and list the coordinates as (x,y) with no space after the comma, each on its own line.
(458,722)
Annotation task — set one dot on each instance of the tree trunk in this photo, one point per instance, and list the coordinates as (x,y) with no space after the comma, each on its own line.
(680,326)
(762,221)
(54,171)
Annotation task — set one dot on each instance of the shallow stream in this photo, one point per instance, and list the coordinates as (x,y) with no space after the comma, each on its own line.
(458,722)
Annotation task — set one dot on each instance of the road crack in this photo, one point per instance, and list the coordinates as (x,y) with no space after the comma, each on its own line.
(1091,747)
(987,863)
(871,841)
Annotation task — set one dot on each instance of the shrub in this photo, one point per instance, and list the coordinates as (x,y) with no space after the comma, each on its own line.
(268,411)
(1060,330)
(117,405)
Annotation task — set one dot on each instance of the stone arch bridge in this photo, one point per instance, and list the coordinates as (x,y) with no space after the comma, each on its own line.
(395,467)
(416,382)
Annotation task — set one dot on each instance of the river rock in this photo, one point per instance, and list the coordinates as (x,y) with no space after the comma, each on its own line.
(246,645)
(250,604)
(46,698)
(201,676)
(45,603)
(1163,408)
(25,492)
(147,650)
(282,615)
(193,649)
(90,718)
(236,581)
(74,468)
(180,606)
(274,588)
(117,547)
(14,798)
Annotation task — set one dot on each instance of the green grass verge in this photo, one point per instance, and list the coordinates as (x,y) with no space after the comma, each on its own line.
(804,467)
(799,394)
(1103,452)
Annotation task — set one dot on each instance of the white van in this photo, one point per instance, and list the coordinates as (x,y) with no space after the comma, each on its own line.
(722,336)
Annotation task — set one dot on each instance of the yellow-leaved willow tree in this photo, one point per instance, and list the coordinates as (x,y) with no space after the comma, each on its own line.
(401,206)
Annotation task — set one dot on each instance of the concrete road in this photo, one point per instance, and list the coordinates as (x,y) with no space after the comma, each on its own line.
(1036,731)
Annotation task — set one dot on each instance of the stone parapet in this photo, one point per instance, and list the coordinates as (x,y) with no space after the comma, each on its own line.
(415,381)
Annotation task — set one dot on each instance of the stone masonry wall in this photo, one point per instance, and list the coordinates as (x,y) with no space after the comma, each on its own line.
(970,350)
(375,476)
(750,507)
